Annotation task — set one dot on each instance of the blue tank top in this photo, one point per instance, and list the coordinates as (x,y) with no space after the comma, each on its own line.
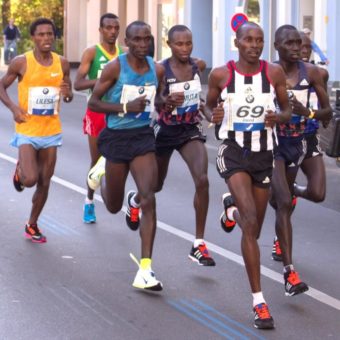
(296,126)
(137,83)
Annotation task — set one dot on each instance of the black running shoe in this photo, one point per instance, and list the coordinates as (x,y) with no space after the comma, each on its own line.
(262,317)
(16,180)
(293,284)
(276,251)
(132,213)
(226,224)
(201,256)
(34,234)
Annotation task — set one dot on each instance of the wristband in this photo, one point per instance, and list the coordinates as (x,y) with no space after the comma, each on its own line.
(124,108)
(312,114)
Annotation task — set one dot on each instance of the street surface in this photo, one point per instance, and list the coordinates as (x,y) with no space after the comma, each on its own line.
(78,284)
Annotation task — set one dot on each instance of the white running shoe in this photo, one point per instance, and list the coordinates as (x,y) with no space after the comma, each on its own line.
(96,173)
(145,278)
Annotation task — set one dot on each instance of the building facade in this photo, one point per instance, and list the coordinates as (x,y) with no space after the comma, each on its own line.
(209,21)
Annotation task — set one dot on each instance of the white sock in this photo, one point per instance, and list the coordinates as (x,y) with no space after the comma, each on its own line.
(88,201)
(198,241)
(230,213)
(133,202)
(258,298)
(288,268)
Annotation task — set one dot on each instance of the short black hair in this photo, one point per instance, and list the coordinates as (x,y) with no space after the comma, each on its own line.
(138,23)
(246,23)
(107,16)
(42,21)
(177,28)
(281,29)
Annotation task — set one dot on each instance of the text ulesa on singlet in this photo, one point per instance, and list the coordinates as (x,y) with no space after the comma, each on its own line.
(245,110)
(43,100)
(131,92)
(192,90)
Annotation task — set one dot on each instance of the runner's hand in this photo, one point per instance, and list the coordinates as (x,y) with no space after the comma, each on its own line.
(173,100)
(270,118)
(137,105)
(298,108)
(217,114)
(19,115)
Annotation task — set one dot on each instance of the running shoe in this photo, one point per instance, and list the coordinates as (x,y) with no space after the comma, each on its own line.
(33,233)
(145,278)
(200,255)
(262,317)
(16,181)
(89,213)
(132,213)
(276,251)
(226,224)
(293,284)
(96,173)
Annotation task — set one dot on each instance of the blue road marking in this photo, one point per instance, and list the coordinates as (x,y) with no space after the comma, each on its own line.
(59,227)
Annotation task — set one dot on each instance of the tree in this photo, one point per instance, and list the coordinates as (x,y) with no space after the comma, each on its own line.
(26,11)
(5,12)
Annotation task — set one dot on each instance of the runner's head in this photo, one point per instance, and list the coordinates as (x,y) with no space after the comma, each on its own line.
(249,41)
(288,43)
(42,33)
(109,28)
(306,47)
(138,39)
(180,42)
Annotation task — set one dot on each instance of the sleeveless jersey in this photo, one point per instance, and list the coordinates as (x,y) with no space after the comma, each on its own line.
(296,126)
(188,112)
(39,96)
(129,86)
(246,98)
(101,58)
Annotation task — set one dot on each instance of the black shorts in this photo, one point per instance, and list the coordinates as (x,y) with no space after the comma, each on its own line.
(313,145)
(291,150)
(173,137)
(122,146)
(232,158)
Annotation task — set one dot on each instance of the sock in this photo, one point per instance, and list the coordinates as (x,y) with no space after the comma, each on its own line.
(198,241)
(288,268)
(133,202)
(230,213)
(145,263)
(88,201)
(258,298)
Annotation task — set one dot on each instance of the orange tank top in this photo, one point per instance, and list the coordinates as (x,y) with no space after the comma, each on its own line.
(39,96)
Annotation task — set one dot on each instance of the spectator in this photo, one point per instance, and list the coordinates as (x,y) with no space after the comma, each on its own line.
(11,36)
(316,49)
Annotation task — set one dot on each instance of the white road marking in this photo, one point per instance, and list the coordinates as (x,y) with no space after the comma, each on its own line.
(271,274)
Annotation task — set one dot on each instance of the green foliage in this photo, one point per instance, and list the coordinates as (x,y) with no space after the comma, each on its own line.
(26,11)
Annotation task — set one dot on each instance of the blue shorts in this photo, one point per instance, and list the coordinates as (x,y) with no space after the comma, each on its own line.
(37,142)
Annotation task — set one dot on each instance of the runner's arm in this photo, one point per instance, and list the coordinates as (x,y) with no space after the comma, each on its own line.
(81,82)
(66,84)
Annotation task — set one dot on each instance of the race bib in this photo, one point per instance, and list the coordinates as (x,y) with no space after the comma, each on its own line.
(131,92)
(43,101)
(191,89)
(301,96)
(245,111)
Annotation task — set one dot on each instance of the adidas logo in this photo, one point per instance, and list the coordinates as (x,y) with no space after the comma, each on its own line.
(304,82)
(102,58)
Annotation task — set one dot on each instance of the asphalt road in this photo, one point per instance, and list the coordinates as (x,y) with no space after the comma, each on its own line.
(78,284)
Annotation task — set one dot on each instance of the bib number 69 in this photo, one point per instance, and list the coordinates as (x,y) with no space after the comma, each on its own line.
(245,111)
